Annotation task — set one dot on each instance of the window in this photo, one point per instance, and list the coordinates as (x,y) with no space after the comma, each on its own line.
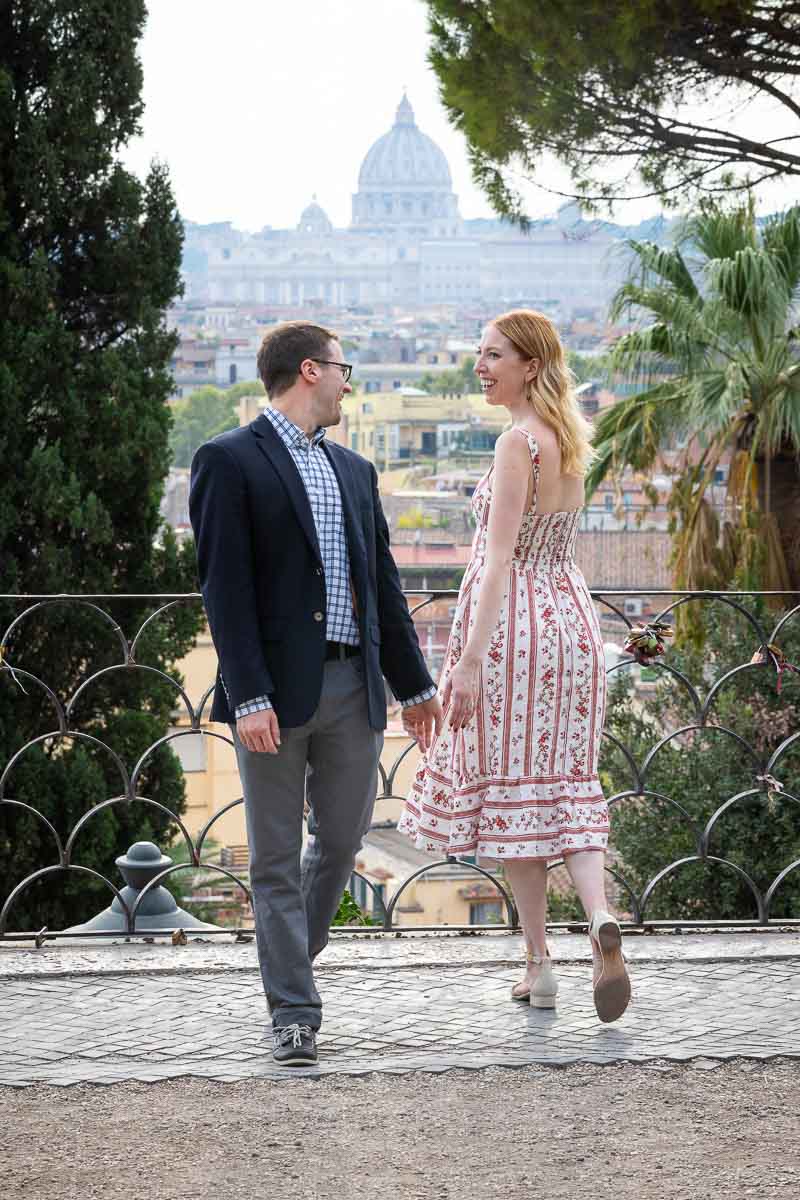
(232,373)
(486,912)
(190,751)
(358,890)
(378,901)
(353,441)
(370,900)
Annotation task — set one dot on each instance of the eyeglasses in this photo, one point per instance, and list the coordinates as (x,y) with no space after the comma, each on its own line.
(345,368)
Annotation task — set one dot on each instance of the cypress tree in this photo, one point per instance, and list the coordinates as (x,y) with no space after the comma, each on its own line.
(89,261)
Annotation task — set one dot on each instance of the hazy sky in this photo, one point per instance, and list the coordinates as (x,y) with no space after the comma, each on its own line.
(257,104)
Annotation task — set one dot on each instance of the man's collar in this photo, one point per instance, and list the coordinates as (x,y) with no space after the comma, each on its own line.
(290,433)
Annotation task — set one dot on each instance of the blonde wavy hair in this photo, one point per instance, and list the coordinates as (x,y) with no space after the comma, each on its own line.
(552,393)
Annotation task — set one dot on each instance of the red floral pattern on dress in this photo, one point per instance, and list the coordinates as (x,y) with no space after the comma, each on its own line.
(520,780)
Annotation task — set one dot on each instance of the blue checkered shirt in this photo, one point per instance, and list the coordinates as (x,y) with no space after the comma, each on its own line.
(322,488)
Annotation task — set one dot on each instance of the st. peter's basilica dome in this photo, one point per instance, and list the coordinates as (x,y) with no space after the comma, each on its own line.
(404,183)
(404,155)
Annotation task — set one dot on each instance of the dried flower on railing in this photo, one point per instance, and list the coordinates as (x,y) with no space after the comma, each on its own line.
(774,788)
(769,652)
(646,642)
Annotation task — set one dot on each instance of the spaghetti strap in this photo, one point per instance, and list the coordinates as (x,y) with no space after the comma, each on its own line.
(533,447)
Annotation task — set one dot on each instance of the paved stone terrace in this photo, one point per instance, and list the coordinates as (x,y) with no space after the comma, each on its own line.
(104,1014)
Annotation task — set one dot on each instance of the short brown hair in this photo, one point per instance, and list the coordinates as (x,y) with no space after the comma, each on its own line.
(285,347)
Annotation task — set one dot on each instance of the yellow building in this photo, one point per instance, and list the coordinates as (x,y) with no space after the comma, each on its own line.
(449,895)
(250,407)
(454,354)
(396,429)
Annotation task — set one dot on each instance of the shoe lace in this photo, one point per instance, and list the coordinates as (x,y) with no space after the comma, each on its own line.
(294,1033)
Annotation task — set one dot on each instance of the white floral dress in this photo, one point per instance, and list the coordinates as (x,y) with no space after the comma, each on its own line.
(520,779)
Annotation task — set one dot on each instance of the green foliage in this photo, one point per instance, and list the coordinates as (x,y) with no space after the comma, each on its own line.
(349,913)
(89,260)
(587,367)
(202,415)
(608,90)
(563,906)
(460,381)
(717,355)
(702,770)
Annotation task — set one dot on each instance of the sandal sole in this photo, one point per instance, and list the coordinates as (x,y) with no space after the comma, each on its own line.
(612,992)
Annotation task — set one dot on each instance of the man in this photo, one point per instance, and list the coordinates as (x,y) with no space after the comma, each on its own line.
(306,612)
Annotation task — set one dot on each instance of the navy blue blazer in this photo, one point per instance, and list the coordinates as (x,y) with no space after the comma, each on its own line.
(263,581)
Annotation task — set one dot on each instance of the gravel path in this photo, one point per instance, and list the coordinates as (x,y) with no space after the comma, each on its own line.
(657,1132)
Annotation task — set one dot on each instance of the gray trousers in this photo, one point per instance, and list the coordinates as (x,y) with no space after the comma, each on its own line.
(333,760)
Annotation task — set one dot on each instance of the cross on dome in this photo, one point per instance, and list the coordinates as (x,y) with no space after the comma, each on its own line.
(405,113)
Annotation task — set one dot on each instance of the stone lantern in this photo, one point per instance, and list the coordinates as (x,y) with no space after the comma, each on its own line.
(158,910)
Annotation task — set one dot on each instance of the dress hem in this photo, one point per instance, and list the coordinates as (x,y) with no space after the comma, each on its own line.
(440,847)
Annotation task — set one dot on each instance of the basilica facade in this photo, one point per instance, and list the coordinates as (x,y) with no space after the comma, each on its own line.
(407,246)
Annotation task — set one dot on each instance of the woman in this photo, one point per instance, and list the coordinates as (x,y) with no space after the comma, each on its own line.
(513,774)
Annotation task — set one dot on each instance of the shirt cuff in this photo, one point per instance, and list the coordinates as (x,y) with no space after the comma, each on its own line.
(258,704)
(428,694)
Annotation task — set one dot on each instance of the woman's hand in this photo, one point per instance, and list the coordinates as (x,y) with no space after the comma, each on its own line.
(461,691)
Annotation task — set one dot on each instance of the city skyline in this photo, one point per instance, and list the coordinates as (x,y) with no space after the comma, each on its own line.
(258,131)
(257,111)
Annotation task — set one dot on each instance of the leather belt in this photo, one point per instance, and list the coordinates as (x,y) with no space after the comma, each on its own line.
(339,650)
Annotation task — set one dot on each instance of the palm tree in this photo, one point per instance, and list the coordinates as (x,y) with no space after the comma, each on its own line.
(716,368)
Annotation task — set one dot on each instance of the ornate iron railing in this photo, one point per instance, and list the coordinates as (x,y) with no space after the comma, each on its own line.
(618,610)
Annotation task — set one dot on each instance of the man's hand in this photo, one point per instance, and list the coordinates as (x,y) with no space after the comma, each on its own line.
(420,721)
(259,731)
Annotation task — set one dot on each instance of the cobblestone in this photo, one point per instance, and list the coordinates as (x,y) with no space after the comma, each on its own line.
(412,950)
(435,1005)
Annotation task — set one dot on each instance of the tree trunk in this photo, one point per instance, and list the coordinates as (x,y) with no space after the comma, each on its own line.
(784,504)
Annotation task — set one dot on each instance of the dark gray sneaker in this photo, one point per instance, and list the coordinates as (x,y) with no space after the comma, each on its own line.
(294,1046)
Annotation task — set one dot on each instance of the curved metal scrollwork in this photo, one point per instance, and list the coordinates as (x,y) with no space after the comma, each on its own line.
(635,901)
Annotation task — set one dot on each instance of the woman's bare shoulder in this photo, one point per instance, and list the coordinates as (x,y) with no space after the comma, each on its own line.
(546,442)
(512,444)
